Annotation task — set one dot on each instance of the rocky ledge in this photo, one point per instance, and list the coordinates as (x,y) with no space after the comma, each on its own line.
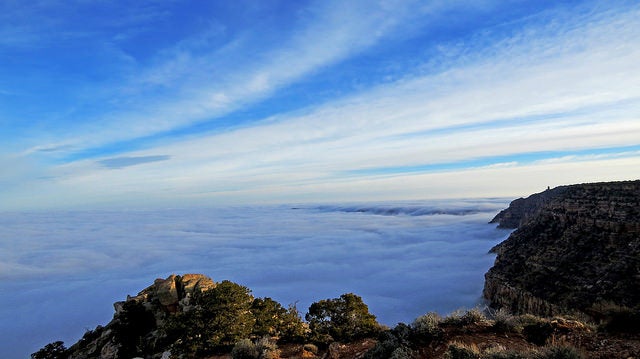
(576,248)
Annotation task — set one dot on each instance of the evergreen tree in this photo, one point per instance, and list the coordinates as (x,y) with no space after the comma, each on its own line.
(343,319)
(221,317)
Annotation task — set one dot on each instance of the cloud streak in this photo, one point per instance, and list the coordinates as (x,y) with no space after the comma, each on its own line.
(122,162)
(185,86)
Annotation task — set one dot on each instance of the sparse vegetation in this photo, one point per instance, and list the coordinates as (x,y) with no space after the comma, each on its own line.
(264,348)
(227,320)
(465,317)
(505,322)
(473,316)
(560,352)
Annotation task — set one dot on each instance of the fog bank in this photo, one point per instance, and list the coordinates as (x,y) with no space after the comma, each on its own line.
(60,272)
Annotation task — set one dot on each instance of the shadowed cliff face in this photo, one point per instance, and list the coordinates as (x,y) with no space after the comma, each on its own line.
(576,247)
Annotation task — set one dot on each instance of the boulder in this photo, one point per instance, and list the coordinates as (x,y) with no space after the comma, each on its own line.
(196,282)
(166,290)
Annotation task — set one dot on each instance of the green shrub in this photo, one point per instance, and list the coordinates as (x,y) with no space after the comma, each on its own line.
(245,349)
(403,333)
(426,327)
(473,316)
(221,317)
(401,353)
(387,343)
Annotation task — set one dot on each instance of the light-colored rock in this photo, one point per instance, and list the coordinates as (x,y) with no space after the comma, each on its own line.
(196,282)
(167,291)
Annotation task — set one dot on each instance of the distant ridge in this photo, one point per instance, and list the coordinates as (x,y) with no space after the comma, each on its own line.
(382,210)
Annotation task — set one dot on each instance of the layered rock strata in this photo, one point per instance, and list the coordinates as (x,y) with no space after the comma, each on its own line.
(576,247)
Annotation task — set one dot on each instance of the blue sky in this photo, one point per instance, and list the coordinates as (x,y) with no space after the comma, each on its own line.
(170,103)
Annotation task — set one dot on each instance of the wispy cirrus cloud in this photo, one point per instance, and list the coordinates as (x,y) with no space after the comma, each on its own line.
(559,83)
(190,83)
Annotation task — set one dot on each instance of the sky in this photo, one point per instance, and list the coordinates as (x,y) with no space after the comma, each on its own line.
(109,104)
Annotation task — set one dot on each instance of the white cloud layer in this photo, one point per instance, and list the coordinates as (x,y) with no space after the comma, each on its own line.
(61,271)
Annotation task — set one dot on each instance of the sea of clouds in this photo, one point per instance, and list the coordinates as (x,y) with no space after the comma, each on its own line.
(60,272)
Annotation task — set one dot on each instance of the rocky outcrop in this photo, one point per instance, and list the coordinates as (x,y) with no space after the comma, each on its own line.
(147,310)
(172,294)
(575,247)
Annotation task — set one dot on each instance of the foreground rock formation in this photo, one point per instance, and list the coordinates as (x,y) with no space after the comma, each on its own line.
(576,248)
(150,308)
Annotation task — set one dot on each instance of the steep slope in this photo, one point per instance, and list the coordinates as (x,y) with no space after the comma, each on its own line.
(576,247)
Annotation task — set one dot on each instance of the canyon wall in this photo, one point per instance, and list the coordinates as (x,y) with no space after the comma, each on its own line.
(575,248)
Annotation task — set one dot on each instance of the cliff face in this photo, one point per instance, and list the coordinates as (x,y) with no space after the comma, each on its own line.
(576,247)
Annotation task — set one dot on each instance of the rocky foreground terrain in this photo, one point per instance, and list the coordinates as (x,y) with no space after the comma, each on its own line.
(565,284)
